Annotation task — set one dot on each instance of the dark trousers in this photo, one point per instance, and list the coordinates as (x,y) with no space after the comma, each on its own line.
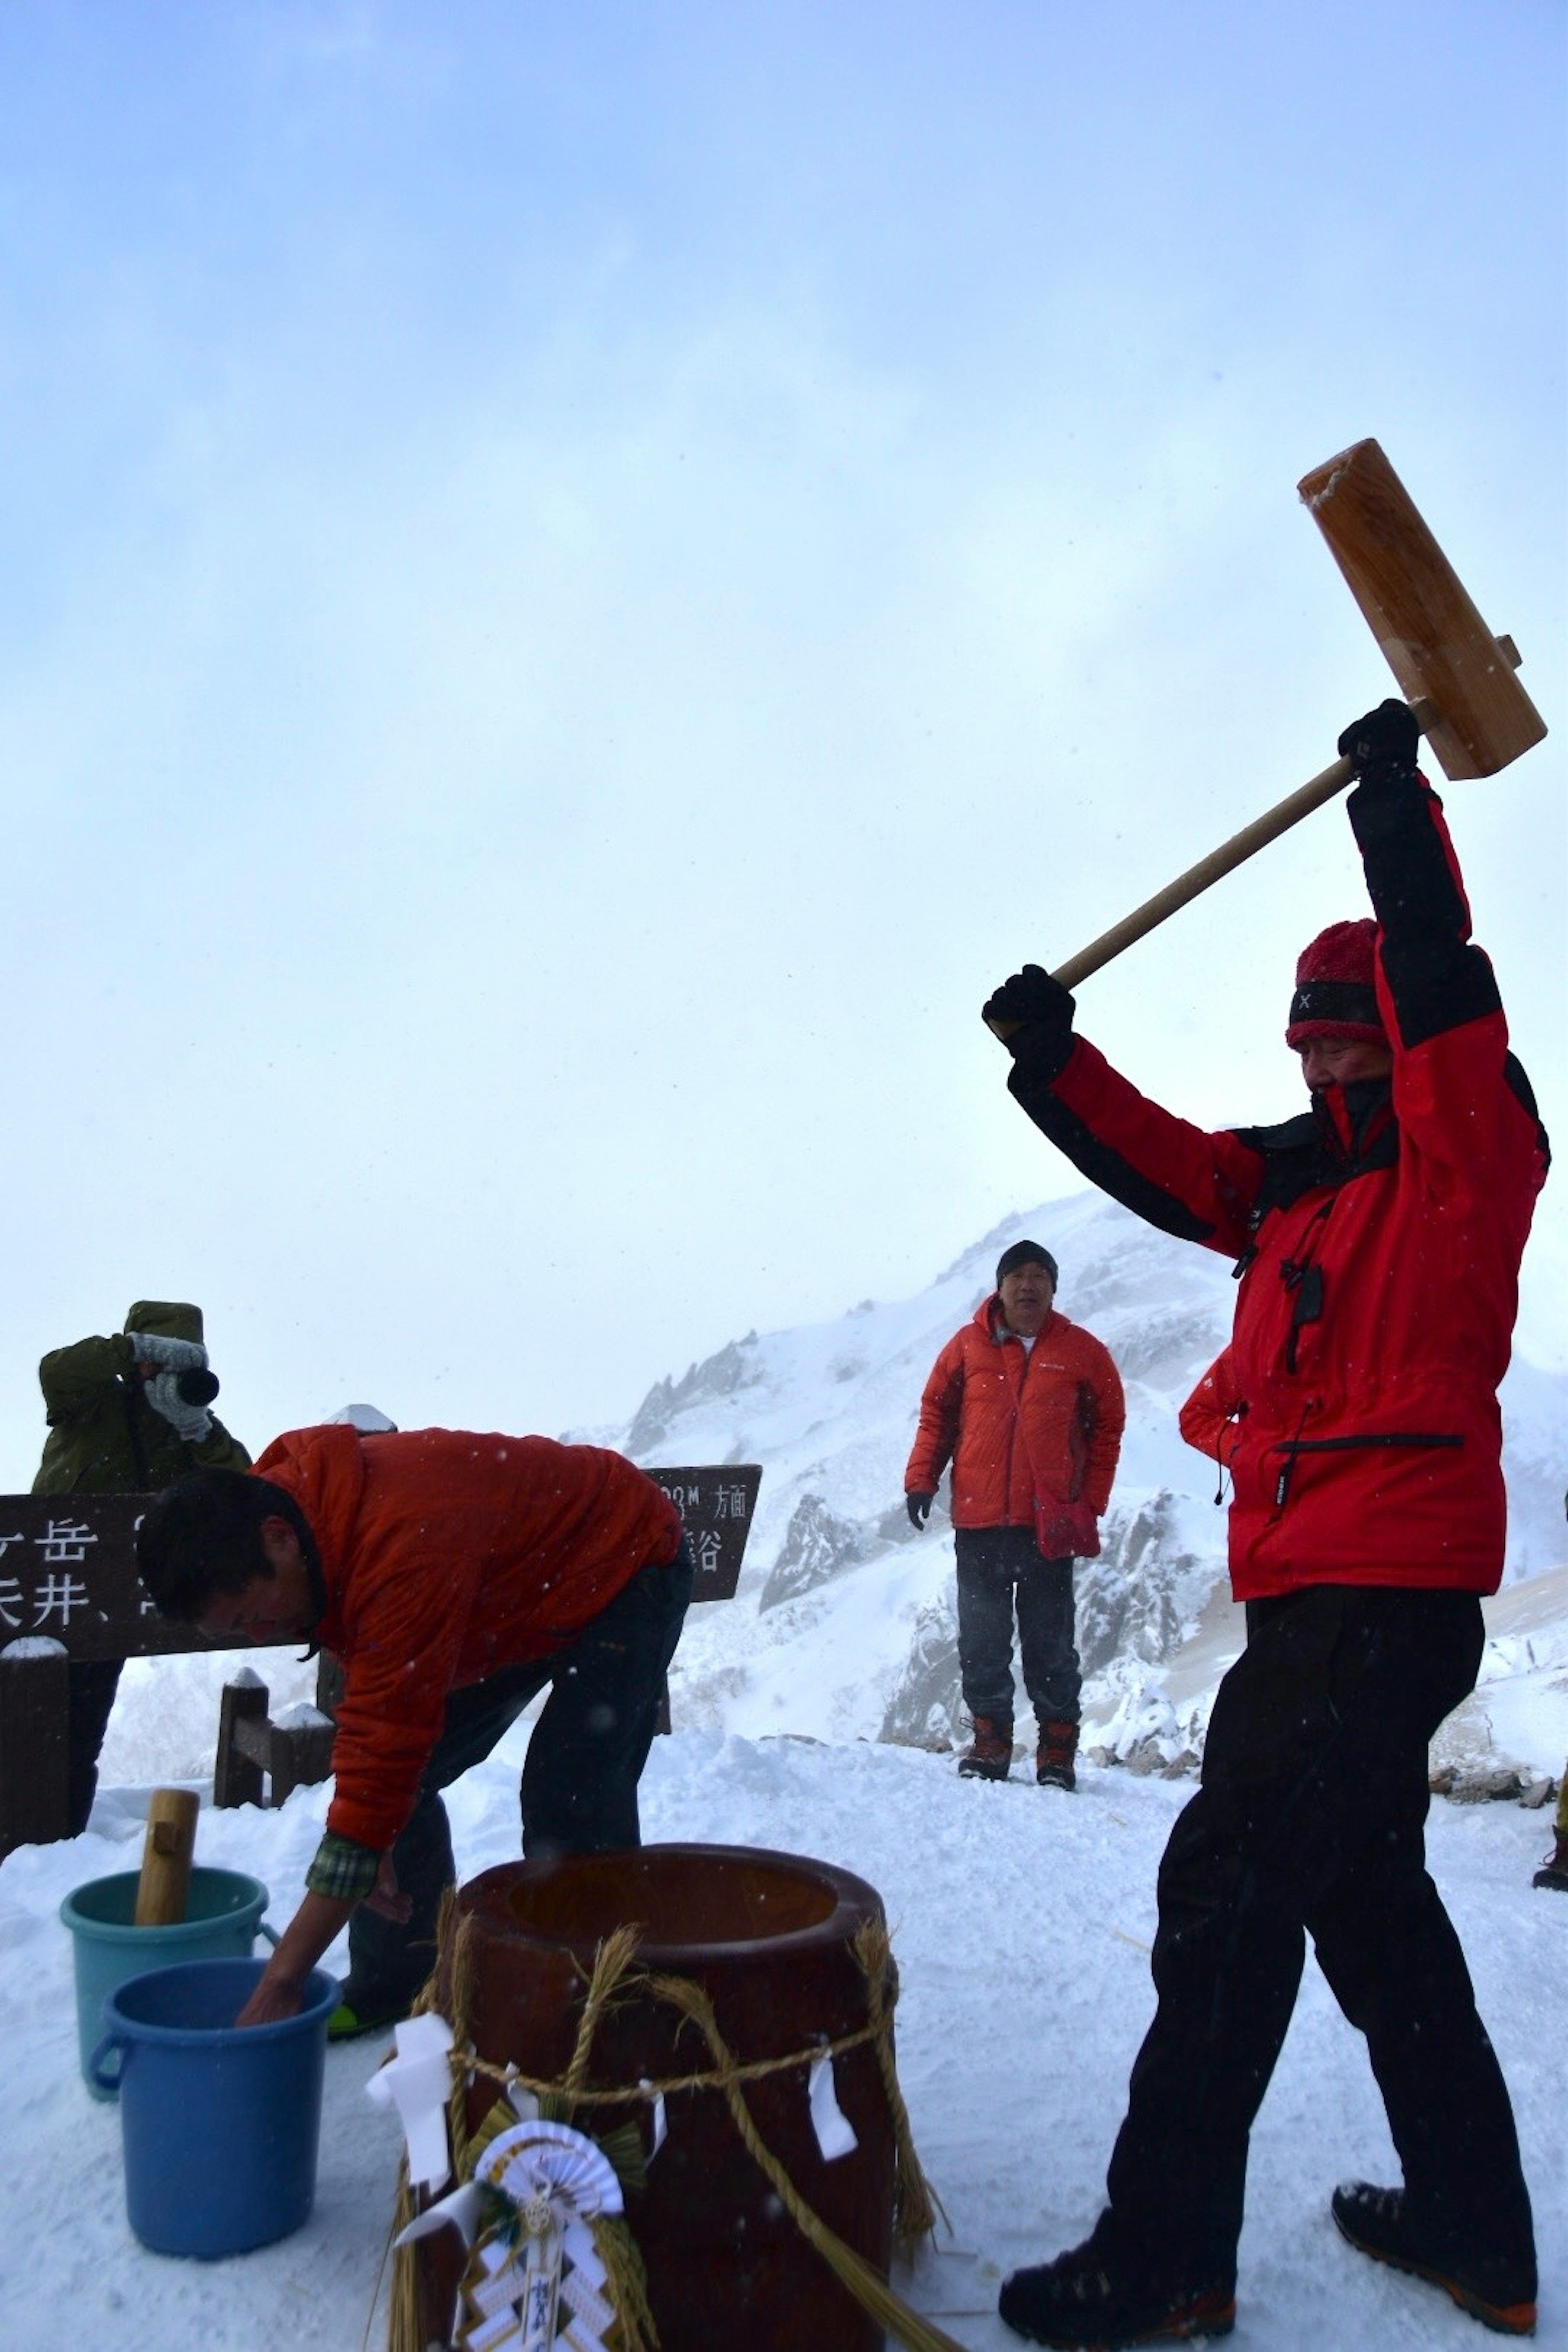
(579,1791)
(90,1685)
(1310,1822)
(998,1569)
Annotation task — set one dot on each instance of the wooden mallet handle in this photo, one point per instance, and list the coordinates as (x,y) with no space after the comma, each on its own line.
(1198,878)
(167,1857)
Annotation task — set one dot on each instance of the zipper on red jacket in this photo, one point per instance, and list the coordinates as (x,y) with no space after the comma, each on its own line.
(1014,1425)
(1303,1278)
(1290,1447)
(1294,1447)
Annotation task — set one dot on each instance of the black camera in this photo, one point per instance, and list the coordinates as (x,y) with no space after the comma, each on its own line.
(197,1386)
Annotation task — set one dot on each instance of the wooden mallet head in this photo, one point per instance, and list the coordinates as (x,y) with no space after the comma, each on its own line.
(1453,672)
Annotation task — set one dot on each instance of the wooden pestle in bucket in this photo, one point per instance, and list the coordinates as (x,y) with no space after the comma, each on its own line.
(167,1857)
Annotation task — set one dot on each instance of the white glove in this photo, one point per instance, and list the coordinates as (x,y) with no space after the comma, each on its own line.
(190,1423)
(168,1355)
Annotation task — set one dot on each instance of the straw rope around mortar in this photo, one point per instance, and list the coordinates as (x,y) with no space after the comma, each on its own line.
(613,1977)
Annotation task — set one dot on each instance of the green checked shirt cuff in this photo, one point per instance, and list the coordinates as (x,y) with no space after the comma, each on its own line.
(343,1870)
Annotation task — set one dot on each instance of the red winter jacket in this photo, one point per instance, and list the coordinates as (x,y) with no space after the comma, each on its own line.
(1010,1421)
(445,1555)
(1378,1239)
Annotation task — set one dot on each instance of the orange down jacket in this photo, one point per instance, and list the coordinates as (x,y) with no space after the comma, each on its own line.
(1013,1423)
(447,1555)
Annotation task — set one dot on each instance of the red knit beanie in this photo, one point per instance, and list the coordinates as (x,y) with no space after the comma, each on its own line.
(1336,992)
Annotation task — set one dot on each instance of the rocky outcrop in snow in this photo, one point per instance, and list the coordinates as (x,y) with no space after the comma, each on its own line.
(734,1367)
(926,1710)
(817,1546)
(1143,1595)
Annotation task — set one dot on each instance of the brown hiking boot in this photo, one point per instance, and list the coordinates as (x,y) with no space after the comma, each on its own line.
(990,1756)
(1054,1756)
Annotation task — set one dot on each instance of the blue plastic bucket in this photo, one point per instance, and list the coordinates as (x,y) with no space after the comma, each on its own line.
(220,2122)
(223,1917)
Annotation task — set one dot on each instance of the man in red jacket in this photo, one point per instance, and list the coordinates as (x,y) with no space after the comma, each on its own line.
(1377,1239)
(452,1576)
(1028,1407)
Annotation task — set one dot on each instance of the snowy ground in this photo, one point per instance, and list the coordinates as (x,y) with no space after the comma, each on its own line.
(1022,1921)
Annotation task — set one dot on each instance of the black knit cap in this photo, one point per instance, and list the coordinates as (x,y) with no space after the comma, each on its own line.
(1024,1253)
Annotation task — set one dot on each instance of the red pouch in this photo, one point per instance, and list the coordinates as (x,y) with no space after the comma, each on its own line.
(1065,1530)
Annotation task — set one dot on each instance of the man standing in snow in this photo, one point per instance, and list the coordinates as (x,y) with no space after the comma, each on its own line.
(1377,1238)
(126,1413)
(452,1577)
(1028,1409)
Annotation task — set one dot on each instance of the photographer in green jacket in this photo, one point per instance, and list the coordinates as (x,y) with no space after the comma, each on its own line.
(127,1415)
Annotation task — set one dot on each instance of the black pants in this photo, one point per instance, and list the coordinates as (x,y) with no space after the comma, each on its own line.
(579,1791)
(1309,1820)
(996,1568)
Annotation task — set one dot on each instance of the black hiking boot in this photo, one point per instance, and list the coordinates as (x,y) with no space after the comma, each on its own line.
(1085,2299)
(1553,1871)
(1496,2289)
(990,1756)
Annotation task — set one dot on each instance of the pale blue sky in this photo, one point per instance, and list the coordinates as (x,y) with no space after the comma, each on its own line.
(581,582)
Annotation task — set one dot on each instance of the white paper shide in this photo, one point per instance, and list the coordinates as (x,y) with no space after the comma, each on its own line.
(534,2282)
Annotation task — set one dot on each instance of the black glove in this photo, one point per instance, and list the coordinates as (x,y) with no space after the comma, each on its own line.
(1033,1013)
(1381,747)
(919,1508)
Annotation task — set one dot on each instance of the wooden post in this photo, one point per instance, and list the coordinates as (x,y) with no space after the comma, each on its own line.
(329,1685)
(236,1777)
(167,1857)
(302,1753)
(35,1747)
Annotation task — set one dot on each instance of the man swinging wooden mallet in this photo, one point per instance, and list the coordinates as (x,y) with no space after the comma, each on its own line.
(1377,1238)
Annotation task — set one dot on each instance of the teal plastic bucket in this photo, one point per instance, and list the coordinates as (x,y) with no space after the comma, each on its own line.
(219,2122)
(223,1917)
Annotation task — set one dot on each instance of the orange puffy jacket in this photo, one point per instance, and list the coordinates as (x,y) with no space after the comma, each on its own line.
(447,1555)
(1013,1423)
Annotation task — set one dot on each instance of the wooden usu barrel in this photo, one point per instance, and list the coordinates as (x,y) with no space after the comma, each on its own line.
(769,1938)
